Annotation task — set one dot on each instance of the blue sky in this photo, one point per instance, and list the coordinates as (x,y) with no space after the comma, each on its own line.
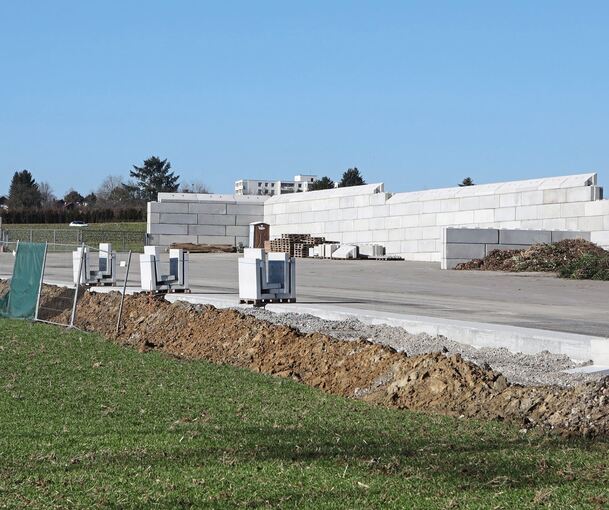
(416,94)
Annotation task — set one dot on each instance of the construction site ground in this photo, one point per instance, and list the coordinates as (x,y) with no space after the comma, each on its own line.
(532,300)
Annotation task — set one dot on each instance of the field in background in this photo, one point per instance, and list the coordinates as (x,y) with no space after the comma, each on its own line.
(84,422)
(61,237)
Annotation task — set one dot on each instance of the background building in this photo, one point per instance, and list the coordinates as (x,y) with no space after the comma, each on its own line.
(263,187)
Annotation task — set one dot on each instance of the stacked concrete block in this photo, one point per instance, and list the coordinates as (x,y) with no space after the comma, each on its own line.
(410,224)
(464,244)
(202,218)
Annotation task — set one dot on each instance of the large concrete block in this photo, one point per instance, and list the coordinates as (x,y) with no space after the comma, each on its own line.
(560,235)
(377,223)
(548,211)
(215,219)
(484,216)
(378,199)
(531,198)
(346,202)
(392,247)
(529,212)
(407,246)
(601,238)
(245,209)
(582,194)
(168,207)
(325,204)
(596,208)
(591,223)
(491,247)
(505,214)
(362,201)
(361,224)
(153,218)
(524,236)
(244,240)
(364,212)
(471,235)
(465,251)
(427,220)
(207,230)
(427,245)
(246,219)
(380,235)
(573,209)
(554,224)
(347,214)
(489,202)
(178,218)
(348,225)
(203,208)
(510,200)
(364,236)
(403,209)
(393,222)
(469,203)
(379,211)
(554,196)
(238,230)
(167,228)
(216,240)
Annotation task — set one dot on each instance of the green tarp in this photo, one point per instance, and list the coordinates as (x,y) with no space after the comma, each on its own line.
(20,302)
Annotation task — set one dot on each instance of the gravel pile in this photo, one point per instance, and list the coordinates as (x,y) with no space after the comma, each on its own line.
(528,369)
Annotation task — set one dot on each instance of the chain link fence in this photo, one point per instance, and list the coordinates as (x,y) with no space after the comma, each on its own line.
(68,239)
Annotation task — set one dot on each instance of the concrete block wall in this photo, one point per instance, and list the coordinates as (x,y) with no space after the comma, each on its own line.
(464,244)
(410,224)
(202,218)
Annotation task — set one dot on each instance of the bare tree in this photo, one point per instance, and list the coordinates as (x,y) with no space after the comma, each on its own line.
(47,195)
(194,187)
(108,186)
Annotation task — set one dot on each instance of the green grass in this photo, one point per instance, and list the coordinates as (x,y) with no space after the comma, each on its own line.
(86,423)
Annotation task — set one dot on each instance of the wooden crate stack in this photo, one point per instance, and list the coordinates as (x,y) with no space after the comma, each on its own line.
(296,245)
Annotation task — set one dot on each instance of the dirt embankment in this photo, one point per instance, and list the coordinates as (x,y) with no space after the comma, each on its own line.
(357,369)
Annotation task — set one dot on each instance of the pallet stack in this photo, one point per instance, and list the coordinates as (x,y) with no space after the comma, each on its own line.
(296,245)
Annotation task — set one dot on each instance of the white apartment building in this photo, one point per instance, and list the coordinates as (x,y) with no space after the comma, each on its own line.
(263,187)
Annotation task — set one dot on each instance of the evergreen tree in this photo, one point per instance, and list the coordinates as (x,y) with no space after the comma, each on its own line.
(323,183)
(23,192)
(351,177)
(468,181)
(73,196)
(152,178)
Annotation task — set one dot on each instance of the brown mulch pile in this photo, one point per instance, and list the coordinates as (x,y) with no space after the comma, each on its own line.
(539,257)
(356,369)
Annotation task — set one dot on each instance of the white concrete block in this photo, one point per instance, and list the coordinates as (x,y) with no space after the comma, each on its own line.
(153,218)
(394,222)
(505,214)
(529,212)
(470,203)
(596,208)
(377,224)
(591,223)
(380,235)
(427,245)
(216,240)
(364,212)
(574,209)
(531,198)
(408,246)
(405,209)
(364,236)
(168,207)
(361,224)
(246,219)
(426,220)
(207,230)
(178,218)
(238,231)
(554,196)
(582,194)
(378,198)
(600,237)
(392,247)
(203,208)
(347,226)
(166,228)
(560,235)
(510,200)
(168,239)
(215,219)
(484,216)
(379,211)
(346,202)
(554,224)
(362,201)
(489,201)
(347,214)
(243,209)
(548,211)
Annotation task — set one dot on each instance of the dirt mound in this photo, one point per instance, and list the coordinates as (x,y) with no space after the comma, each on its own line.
(539,257)
(357,369)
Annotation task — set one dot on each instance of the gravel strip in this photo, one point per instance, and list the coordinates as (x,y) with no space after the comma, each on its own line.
(544,368)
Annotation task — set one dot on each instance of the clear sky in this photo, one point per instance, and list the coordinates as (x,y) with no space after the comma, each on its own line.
(416,94)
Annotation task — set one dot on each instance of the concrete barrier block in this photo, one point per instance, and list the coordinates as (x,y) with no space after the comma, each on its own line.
(562,234)
(169,207)
(215,219)
(471,235)
(364,236)
(484,216)
(408,246)
(601,238)
(392,247)
(243,209)
(246,219)
(346,202)
(510,200)
(331,226)
(427,220)
(347,214)
(363,224)
(153,218)
(571,223)
(238,230)
(347,226)
(465,251)
(505,214)
(378,199)
(574,209)
(168,239)
(469,203)
(294,218)
(364,212)
(325,204)
(529,212)
(244,240)
(396,234)
(380,235)
(412,220)
(393,222)
(489,202)
(379,211)
(309,217)
(167,228)
(591,223)
(321,216)
(582,194)
(404,209)
(548,211)
(524,236)
(361,201)
(491,247)
(596,208)
(427,245)
(216,240)
(377,223)
(554,224)
(207,230)
(176,218)
(203,208)
(554,196)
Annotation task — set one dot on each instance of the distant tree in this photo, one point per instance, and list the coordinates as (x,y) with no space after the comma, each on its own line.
(468,181)
(108,185)
(323,183)
(90,199)
(194,187)
(73,196)
(152,178)
(23,192)
(47,196)
(351,177)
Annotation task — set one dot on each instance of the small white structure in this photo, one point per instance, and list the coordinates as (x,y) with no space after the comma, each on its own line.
(346,251)
(266,278)
(106,267)
(300,183)
(371,250)
(153,280)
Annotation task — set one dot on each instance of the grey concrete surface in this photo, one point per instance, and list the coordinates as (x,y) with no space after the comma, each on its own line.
(525,300)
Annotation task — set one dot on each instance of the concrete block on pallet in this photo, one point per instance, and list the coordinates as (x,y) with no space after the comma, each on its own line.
(524,236)
(471,235)
(559,235)
(464,251)
(175,218)
(207,230)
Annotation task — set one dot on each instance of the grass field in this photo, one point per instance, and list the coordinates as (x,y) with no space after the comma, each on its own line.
(84,422)
(127,226)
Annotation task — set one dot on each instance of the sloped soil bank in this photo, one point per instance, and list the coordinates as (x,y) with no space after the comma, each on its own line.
(357,369)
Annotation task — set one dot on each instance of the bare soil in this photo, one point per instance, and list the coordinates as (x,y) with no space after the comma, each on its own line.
(360,369)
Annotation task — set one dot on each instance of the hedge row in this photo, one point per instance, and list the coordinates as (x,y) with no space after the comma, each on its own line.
(92,215)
